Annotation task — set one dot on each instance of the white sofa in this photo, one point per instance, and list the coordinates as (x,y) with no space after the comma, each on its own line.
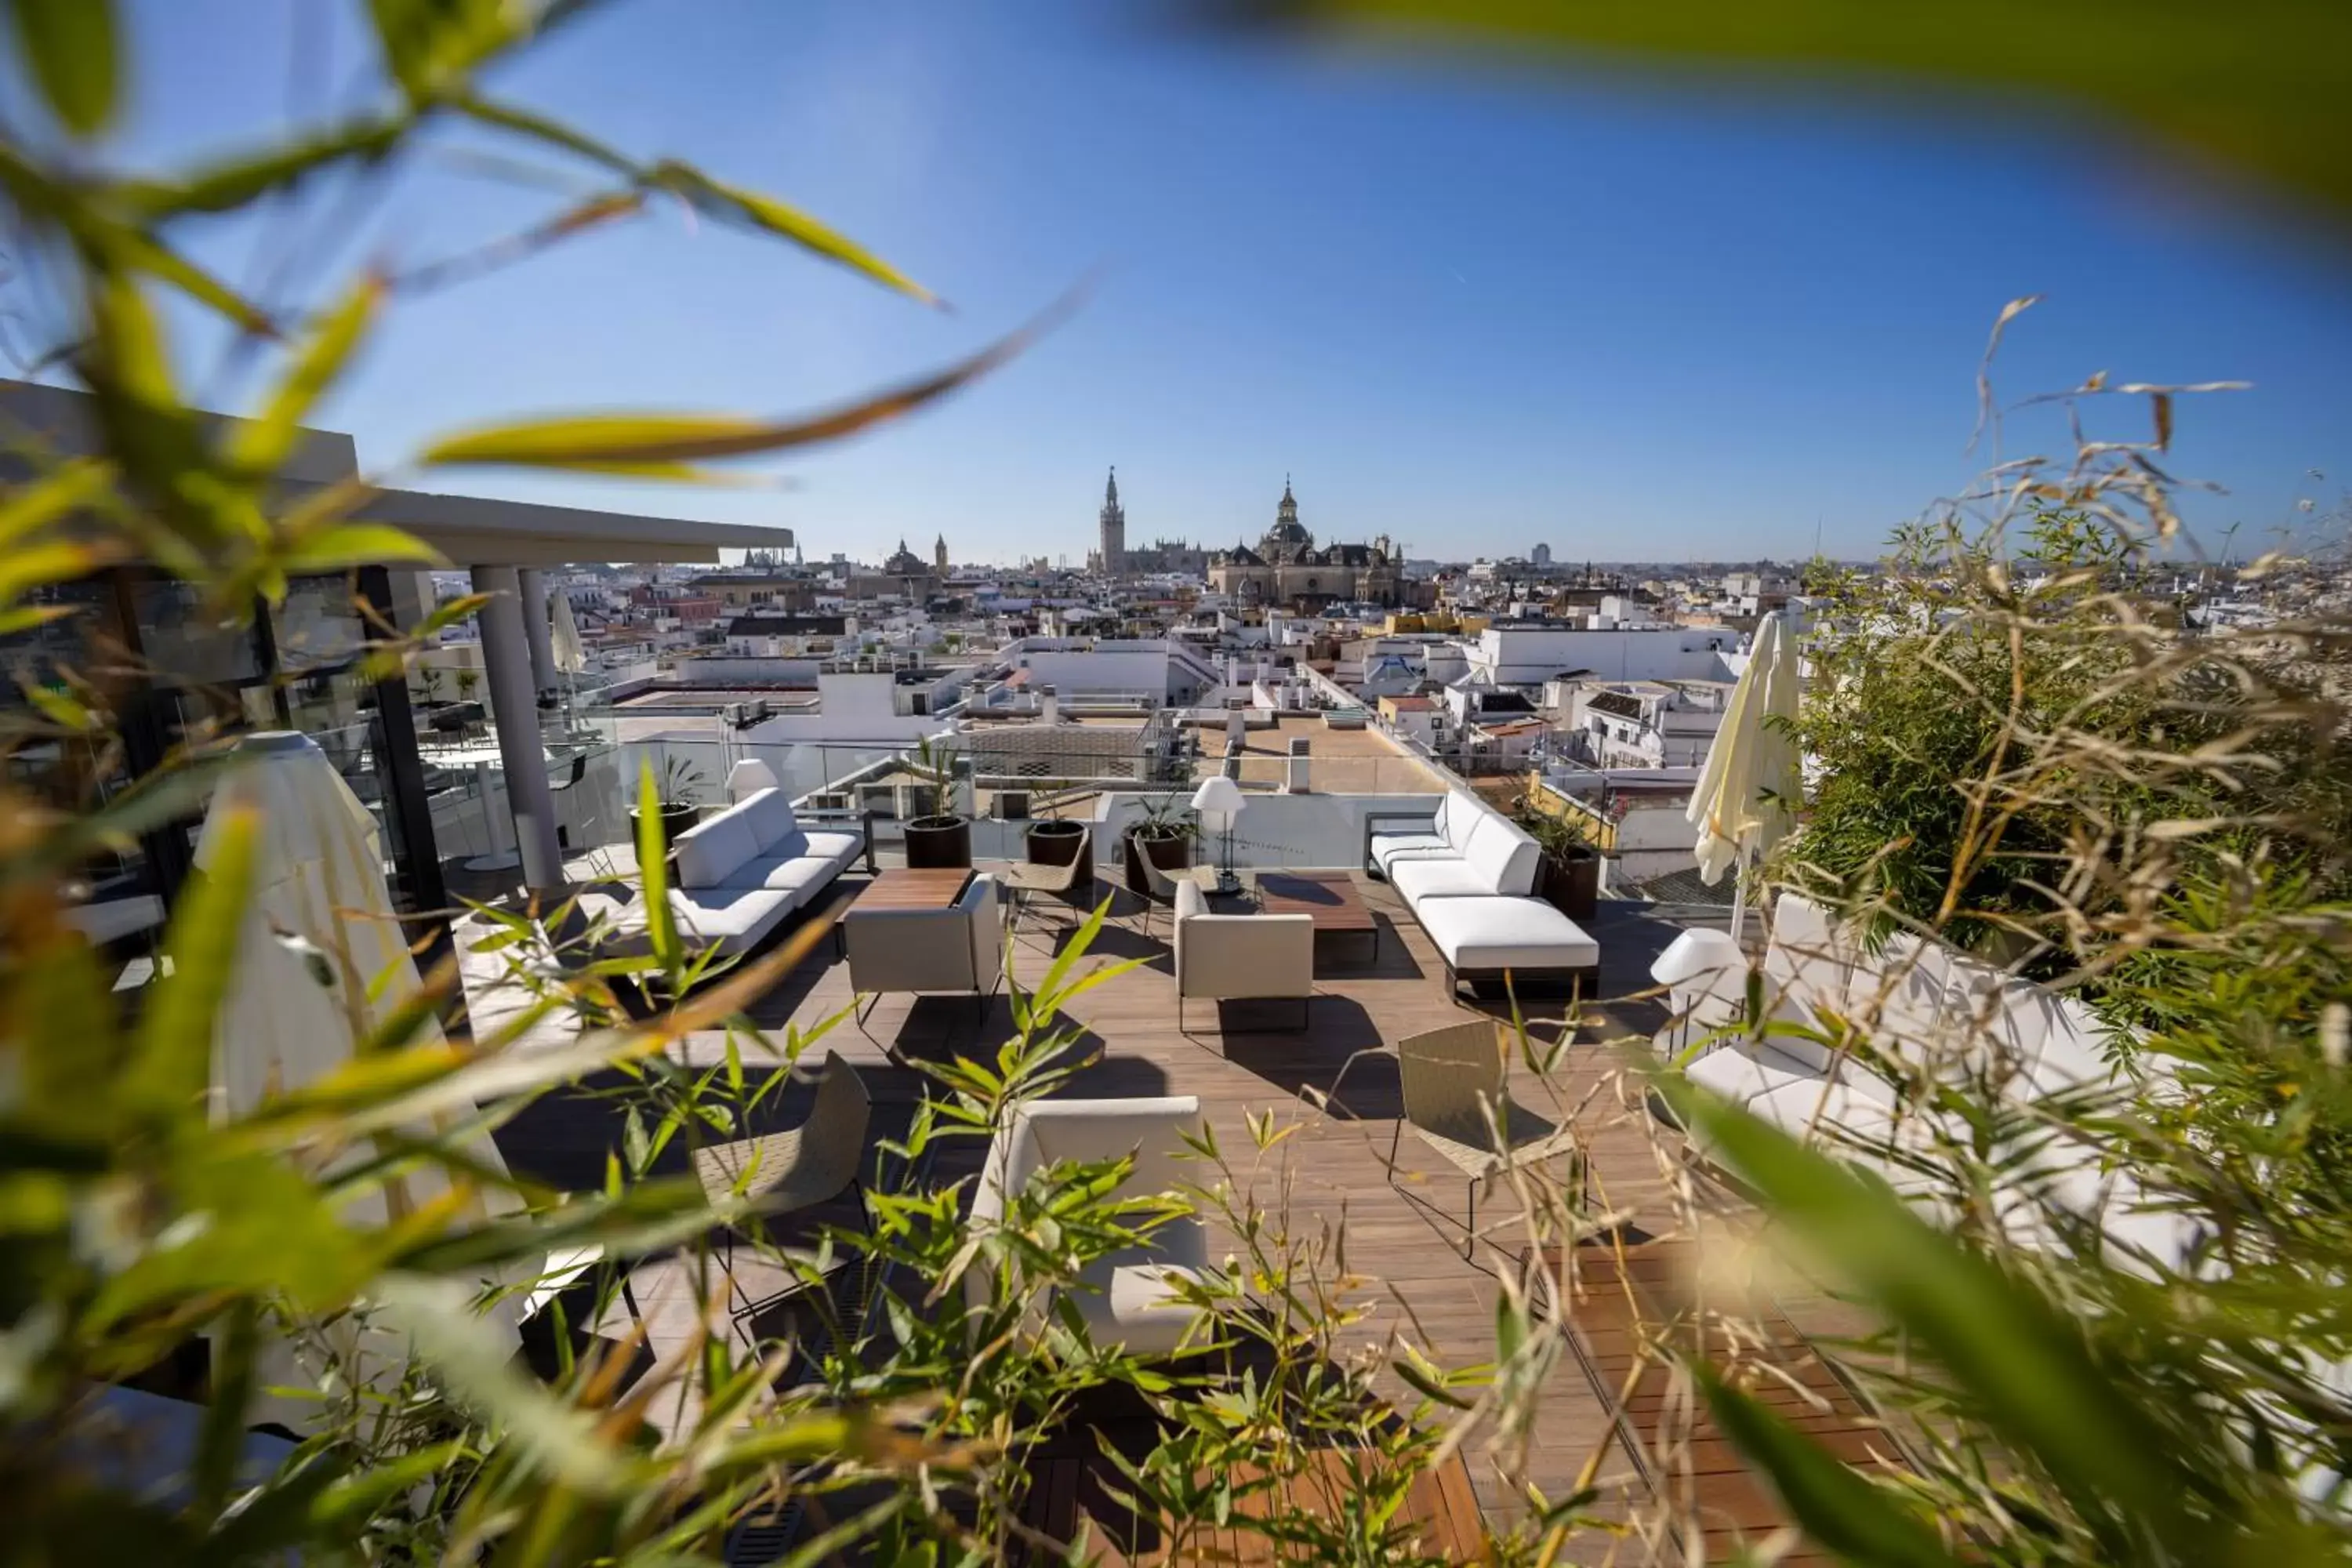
(1240,958)
(736,876)
(957,949)
(1124,1299)
(1467,873)
(1930,1014)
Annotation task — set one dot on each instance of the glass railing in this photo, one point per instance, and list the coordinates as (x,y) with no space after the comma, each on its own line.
(1304,812)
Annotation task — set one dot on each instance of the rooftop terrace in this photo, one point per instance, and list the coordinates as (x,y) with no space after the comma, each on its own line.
(1338,1081)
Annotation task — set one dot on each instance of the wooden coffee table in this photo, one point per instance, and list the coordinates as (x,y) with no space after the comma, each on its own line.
(1331,899)
(897,888)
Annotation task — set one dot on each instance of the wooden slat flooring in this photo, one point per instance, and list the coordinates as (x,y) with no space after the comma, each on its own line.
(1336,1085)
(1440,1516)
(1626,1306)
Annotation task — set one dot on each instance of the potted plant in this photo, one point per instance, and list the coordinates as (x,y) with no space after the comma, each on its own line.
(678,783)
(1053,840)
(1163,834)
(428,685)
(469,682)
(940,837)
(1567,877)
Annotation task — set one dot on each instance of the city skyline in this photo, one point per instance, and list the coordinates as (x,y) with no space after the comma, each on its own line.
(1619,318)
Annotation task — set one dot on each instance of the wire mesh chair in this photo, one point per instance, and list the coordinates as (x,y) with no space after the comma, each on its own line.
(1456,1101)
(785,1172)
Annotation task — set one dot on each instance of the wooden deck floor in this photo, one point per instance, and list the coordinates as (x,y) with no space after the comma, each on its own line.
(1069,1493)
(1405,1239)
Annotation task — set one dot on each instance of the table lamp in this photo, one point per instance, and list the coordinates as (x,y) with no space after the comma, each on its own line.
(1220,801)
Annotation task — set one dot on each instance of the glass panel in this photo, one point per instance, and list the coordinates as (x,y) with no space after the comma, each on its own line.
(185,644)
(114,896)
(317,624)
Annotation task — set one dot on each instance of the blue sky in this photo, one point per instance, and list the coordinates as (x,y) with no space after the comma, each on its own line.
(1470,308)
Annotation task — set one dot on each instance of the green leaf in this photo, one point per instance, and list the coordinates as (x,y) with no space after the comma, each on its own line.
(62,491)
(730,203)
(653,873)
(2025,1365)
(350,545)
(2266,84)
(356,1497)
(259,446)
(70,45)
(238,183)
(585,440)
(172,1061)
(431,47)
(476,1361)
(279,1516)
(222,1438)
(538,128)
(1837,1508)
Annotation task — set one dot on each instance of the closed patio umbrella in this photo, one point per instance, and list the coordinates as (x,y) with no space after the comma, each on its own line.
(1747,792)
(321,960)
(563,637)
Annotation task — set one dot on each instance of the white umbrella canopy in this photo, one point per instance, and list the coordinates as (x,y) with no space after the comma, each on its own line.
(571,657)
(1747,792)
(321,960)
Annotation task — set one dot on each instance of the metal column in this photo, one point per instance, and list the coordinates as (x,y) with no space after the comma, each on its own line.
(506,662)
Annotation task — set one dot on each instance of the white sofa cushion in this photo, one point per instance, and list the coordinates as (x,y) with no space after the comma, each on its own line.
(1126,1297)
(1460,815)
(1136,1304)
(1504,855)
(1485,934)
(1743,1072)
(1809,961)
(729,918)
(807,859)
(708,853)
(770,812)
(1234,958)
(2053,1042)
(1447,878)
(1390,847)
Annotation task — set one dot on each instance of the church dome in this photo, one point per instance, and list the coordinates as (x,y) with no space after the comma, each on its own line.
(1288,537)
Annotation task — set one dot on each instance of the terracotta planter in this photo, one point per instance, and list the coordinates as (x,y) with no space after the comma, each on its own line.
(937,843)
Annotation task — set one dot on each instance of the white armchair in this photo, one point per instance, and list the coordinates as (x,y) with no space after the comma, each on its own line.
(960,949)
(1129,1298)
(1241,958)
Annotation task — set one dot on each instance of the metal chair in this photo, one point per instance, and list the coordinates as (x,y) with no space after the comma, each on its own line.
(1457,1100)
(785,1172)
(1159,888)
(589,818)
(1027,880)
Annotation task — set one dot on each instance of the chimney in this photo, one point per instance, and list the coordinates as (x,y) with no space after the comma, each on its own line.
(1049,706)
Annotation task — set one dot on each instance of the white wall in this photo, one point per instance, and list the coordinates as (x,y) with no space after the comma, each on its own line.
(733,670)
(1073,671)
(1529,657)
